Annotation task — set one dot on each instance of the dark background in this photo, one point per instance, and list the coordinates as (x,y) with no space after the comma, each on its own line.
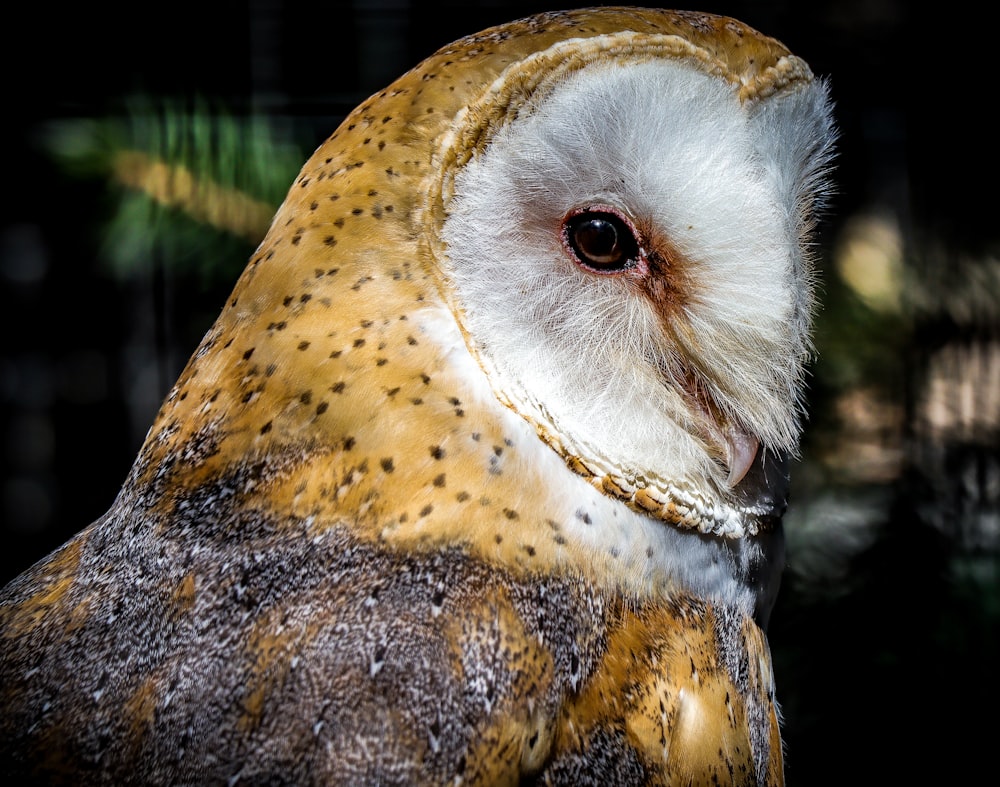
(886,634)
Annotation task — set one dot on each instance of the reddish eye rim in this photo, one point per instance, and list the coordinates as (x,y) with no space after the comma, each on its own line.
(636,264)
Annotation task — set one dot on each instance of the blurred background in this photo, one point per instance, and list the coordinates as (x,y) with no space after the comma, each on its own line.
(148,145)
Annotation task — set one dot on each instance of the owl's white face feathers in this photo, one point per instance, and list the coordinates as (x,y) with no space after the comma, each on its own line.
(669,370)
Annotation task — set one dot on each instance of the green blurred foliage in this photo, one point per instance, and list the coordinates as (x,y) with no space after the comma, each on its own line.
(211,151)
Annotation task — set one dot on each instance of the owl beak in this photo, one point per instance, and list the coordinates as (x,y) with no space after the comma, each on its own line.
(758,477)
(741,449)
(734,445)
(763,489)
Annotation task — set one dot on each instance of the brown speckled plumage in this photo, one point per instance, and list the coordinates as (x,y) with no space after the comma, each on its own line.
(339,558)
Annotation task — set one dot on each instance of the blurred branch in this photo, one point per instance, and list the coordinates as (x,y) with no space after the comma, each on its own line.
(195,187)
(203,200)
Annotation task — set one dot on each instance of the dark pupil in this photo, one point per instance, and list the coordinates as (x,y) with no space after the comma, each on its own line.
(601,240)
(598,240)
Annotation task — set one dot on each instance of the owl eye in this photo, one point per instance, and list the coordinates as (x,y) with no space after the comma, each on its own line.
(601,241)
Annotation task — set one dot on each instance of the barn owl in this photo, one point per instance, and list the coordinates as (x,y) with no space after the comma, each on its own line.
(478,478)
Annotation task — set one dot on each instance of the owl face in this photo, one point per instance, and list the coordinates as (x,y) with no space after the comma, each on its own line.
(627,256)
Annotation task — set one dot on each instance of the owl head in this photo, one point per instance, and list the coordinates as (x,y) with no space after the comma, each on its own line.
(622,224)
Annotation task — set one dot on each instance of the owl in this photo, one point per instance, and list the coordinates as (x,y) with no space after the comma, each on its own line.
(479,476)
